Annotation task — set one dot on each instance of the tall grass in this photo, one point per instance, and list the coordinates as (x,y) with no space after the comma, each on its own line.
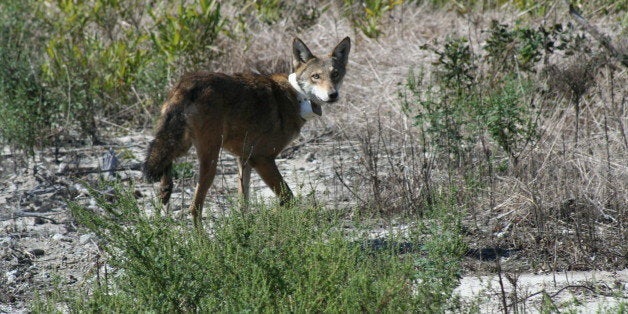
(26,106)
(295,259)
(491,119)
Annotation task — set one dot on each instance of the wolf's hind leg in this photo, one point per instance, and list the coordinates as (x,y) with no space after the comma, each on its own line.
(267,169)
(208,159)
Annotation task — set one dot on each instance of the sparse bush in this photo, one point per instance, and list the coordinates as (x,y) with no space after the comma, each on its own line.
(487,121)
(27,109)
(266,260)
(185,32)
(269,11)
(522,48)
(508,119)
(534,8)
(456,68)
(93,58)
(368,15)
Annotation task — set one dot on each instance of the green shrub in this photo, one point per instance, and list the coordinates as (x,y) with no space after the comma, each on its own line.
(266,260)
(443,110)
(456,70)
(511,49)
(102,59)
(467,101)
(507,118)
(27,109)
(185,32)
(367,15)
(268,11)
(534,8)
(91,60)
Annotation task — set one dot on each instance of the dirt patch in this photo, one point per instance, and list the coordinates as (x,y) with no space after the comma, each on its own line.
(42,248)
(582,292)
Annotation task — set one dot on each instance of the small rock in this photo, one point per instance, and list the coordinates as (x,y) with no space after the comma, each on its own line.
(71,280)
(45,207)
(62,167)
(81,189)
(135,174)
(7,241)
(37,252)
(86,238)
(310,157)
(60,237)
(39,221)
(11,276)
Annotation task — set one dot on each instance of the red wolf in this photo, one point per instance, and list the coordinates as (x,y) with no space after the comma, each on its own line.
(252,116)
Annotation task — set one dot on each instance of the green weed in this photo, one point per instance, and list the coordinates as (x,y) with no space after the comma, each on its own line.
(508,119)
(367,15)
(26,107)
(185,32)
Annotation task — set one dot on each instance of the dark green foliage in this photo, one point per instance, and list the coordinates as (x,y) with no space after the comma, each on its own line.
(456,68)
(467,102)
(470,113)
(508,119)
(522,48)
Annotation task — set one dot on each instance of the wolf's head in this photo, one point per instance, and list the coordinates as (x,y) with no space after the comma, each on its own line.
(320,78)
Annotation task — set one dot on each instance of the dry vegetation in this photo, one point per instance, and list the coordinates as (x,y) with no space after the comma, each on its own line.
(562,202)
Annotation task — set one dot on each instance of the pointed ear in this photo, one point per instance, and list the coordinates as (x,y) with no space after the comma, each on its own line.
(341,52)
(300,52)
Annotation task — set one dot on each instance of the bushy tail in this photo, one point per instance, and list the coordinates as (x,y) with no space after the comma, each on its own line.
(169,143)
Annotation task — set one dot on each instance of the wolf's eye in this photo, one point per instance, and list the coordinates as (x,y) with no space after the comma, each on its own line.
(316,76)
(334,74)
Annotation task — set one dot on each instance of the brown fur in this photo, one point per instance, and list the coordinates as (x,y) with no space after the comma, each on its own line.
(252,116)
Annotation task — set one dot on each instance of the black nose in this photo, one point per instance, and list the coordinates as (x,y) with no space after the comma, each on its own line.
(333,95)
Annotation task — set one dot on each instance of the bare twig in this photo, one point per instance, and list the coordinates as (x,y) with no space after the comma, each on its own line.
(134,166)
(26,214)
(553,295)
(347,187)
(601,38)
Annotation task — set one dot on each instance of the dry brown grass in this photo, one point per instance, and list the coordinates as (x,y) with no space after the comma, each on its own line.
(564,204)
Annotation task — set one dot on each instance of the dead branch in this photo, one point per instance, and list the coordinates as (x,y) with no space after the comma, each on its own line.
(83,171)
(604,40)
(26,214)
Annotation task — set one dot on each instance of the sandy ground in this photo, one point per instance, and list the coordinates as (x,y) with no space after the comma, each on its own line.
(580,291)
(41,247)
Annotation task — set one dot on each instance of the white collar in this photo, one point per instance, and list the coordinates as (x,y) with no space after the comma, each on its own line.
(305,104)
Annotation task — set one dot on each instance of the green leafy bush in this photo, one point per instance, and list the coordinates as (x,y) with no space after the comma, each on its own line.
(266,260)
(101,59)
(185,32)
(92,59)
(508,119)
(467,101)
(472,116)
